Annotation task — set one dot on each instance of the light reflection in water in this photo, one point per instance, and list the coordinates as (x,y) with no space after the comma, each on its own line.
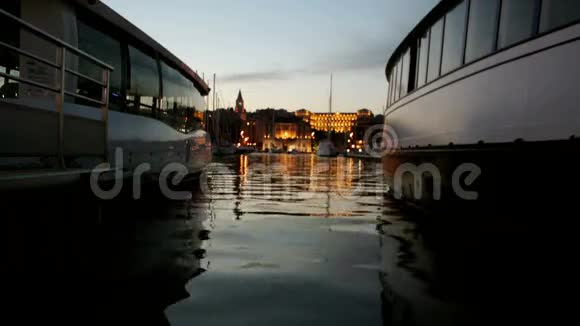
(295,185)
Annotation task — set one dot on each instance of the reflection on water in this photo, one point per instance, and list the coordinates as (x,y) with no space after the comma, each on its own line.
(296,185)
(275,239)
(294,241)
(149,250)
(81,261)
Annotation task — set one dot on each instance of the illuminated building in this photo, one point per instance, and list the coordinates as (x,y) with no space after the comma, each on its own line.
(285,130)
(289,136)
(337,122)
(199,115)
(255,130)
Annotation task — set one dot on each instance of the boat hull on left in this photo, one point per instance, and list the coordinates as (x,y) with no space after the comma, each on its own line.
(29,145)
(64,111)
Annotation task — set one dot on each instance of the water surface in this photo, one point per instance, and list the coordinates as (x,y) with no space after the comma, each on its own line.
(294,241)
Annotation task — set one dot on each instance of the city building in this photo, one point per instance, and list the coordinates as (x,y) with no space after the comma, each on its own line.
(255,131)
(288,136)
(240,106)
(363,122)
(337,122)
(272,129)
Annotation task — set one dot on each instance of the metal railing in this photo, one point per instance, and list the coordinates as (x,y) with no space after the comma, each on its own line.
(62,49)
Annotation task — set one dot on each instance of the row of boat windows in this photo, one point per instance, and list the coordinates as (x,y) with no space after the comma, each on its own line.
(140,83)
(472,30)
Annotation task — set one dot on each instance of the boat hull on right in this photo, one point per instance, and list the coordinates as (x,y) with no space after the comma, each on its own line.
(510,118)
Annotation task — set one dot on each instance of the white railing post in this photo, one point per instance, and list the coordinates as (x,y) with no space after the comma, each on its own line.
(60,107)
(105,109)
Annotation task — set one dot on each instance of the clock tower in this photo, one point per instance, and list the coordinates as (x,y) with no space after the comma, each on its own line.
(240,108)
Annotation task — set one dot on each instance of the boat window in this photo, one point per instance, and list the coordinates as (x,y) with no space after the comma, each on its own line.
(171,101)
(143,92)
(413,64)
(481,31)
(394,82)
(392,85)
(435,46)
(556,13)
(453,42)
(517,21)
(398,80)
(423,56)
(180,100)
(390,89)
(108,50)
(405,73)
(9,61)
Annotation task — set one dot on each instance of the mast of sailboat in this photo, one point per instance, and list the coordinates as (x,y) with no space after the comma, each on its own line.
(215,115)
(208,120)
(214,92)
(330,107)
(330,100)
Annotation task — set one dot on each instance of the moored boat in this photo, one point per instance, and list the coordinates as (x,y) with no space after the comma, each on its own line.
(326,149)
(80,85)
(489,90)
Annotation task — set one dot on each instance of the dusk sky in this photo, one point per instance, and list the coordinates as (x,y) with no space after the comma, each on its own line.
(281,53)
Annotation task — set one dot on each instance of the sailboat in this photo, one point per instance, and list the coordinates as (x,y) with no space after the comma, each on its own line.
(220,148)
(326,147)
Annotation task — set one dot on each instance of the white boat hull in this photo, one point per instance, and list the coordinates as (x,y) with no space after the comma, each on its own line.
(27,138)
(529,92)
(326,149)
